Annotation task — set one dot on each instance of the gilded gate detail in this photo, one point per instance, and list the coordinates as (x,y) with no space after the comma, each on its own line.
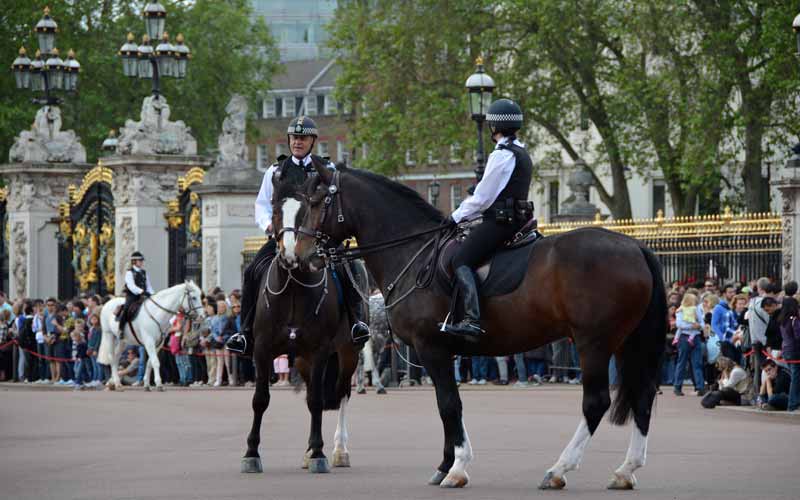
(86,236)
(184,224)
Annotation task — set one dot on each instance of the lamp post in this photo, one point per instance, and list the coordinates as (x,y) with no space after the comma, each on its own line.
(433,192)
(156,56)
(480,87)
(47,71)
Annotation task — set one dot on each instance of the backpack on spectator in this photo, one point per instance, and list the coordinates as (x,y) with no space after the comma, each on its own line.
(747,342)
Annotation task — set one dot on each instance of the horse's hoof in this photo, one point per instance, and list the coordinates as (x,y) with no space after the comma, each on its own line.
(437,478)
(318,465)
(553,482)
(455,480)
(251,465)
(341,459)
(620,482)
(160,388)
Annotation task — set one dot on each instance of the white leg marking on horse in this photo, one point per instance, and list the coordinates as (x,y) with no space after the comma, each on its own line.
(290,209)
(341,436)
(636,456)
(457,475)
(572,455)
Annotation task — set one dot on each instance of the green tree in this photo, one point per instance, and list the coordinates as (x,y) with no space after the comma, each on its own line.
(231,53)
(404,65)
(754,48)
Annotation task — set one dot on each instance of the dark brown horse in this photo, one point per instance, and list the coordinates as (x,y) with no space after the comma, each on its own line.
(602,289)
(299,314)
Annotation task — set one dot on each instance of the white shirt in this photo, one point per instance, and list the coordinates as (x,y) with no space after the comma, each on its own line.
(132,284)
(498,171)
(264,198)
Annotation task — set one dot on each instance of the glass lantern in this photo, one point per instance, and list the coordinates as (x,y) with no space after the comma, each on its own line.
(155,17)
(22,69)
(46,32)
(480,87)
(37,72)
(129,53)
(145,51)
(55,70)
(165,56)
(182,54)
(71,69)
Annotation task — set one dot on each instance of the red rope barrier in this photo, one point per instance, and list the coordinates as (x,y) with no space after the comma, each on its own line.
(773,358)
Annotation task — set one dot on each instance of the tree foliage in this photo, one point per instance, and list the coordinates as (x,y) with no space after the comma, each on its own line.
(663,84)
(231,53)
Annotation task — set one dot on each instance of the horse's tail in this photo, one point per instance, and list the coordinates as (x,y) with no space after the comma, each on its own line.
(105,354)
(330,395)
(640,362)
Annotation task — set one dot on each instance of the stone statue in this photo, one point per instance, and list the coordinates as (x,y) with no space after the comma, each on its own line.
(232,167)
(154,133)
(19,268)
(232,147)
(46,142)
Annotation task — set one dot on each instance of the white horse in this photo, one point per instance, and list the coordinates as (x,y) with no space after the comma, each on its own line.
(150,327)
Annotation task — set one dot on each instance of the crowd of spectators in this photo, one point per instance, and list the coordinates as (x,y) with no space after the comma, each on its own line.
(734,344)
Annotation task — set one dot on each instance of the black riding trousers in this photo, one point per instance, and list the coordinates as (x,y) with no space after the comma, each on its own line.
(482,242)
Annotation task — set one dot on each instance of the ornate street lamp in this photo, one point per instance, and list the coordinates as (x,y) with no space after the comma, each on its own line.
(47,71)
(156,56)
(480,87)
(434,191)
(110,143)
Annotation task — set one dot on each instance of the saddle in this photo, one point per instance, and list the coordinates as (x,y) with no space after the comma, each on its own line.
(503,272)
(133,310)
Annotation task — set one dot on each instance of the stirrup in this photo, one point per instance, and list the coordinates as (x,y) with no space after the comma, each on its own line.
(237,343)
(360,332)
(465,328)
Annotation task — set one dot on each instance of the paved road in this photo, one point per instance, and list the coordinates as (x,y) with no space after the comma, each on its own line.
(187,444)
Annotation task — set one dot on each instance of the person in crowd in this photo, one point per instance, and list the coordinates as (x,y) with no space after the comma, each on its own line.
(218,340)
(197,330)
(522,370)
(63,344)
(281,367)
(92,346)
(773,333)
(176,337)
(689,323)
(790,348)
(232,326)
(536,363)
(724,324)
(82,369)
(5,306)
(51,335)
(127,374)
(757,322)
(669,357)
(206,342)
(502,370)
(740,301)
(480,370)
(774,393)
(6,356)
(27,343)
(733,384)
(41,342)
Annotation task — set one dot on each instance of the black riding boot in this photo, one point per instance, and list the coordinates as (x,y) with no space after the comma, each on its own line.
(360,331)
(470,326)
(242,342)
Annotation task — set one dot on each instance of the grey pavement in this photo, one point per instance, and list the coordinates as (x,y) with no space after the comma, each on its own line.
(188,444)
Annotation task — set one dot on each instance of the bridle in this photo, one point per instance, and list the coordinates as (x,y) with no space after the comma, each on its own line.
(331,251)
(187,296)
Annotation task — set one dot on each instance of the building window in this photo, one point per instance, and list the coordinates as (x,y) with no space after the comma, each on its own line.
(340,151)
(552,198)
(278,105)
(322,149)
(410,160)
(321,105)
(311,105)
(281,149)
(288,107)
(456,196)
(330,105)
(268,108)
(298,105)
(455,153)
(659,198)
(262,157)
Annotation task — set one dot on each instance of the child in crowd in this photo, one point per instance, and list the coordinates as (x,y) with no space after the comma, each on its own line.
(690,316)
(281,366)
(79,349)
(93,345)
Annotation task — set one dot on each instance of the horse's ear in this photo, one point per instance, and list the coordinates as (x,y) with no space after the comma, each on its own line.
(324,173)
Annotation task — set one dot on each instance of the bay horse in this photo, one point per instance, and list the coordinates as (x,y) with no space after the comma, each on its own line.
(298,313)
(149,328)
(602,289)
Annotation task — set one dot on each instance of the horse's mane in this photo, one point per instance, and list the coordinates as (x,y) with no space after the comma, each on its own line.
(398,189)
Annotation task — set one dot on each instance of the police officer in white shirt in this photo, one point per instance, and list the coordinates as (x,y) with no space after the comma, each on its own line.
(137,286)
(501,200)
(302,134)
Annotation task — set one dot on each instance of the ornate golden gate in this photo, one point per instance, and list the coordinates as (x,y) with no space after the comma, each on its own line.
(184,221)
(86,236)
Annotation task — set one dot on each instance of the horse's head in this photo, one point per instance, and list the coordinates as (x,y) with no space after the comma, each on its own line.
(192,302)
(286,215)
(322,217)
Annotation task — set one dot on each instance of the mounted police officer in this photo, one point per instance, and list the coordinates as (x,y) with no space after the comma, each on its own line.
(137,286)
(501,199)
(302,135)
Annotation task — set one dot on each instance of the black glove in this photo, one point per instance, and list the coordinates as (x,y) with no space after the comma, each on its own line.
(450,221)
